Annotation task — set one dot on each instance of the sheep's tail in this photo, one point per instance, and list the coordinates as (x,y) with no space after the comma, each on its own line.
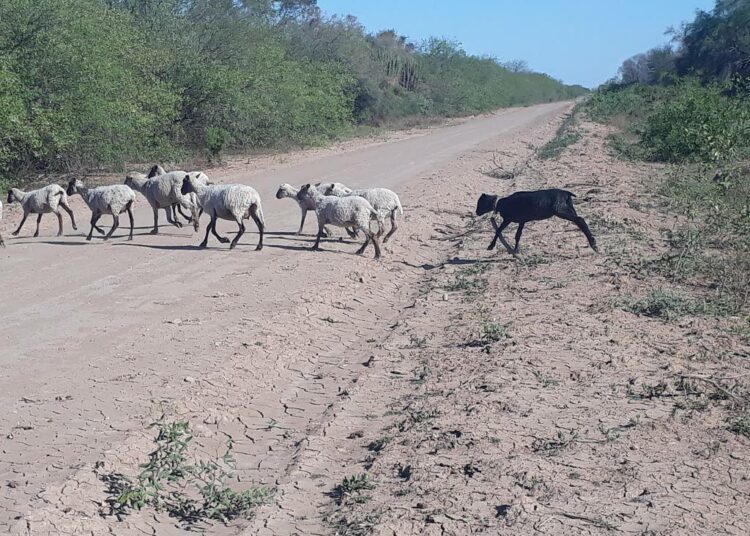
(399,208)
(1,210)
(259,213)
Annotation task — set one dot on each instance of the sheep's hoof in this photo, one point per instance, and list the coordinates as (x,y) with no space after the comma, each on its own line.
(154,231)
(59,235)
(224,240)
(75,228)
(259,247)
(15,233)
(202,245)
(178,225)
(88,239)
(232,246)
(130,238)
(37,234)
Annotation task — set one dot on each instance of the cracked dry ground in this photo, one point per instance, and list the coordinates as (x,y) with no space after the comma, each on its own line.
(479,393)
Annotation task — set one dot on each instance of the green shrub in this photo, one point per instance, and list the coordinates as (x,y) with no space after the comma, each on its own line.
(696,123)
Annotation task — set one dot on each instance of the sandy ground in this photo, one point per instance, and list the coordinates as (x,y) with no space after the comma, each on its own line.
(327,365)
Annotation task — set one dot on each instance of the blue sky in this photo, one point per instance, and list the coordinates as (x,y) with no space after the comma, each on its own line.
(578,41)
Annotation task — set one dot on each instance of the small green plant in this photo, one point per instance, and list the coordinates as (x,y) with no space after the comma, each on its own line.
(544,380)
(492,332)
(661,304)
(552,447)
(216,140)
(351,489)
(188,492)
(740,426)
(417,342)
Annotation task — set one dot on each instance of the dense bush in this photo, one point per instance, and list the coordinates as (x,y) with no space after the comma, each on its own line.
(696,123)
(89,83)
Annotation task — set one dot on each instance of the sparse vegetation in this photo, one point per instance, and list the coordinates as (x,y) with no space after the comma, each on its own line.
(352,488)
(567,134)
(189,492)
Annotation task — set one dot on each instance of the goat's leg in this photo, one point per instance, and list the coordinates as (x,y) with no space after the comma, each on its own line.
(518,235)
(38,219)
(20,225)
(70,213)
(259,224)
(59,223)
(581,223)
(302,221)
(499,235)
(394,226)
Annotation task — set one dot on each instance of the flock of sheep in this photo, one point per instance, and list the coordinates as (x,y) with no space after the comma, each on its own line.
(190,194)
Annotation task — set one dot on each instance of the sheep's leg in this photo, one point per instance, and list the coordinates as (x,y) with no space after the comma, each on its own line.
(321,230)
(352,232)
(172,217)
(115,224)
(362,249)
(302,221)
(256,219)
(175,221)
(518,235)
(2,242)
(394,226)
(129,208)
(239,233)
(188,219)
(59,223)
(155,230)
(222,239)
(499,235)
(70,213)
(376,243)
(94,218)
(581,223)
(23,220)
(38,219)
(208,230)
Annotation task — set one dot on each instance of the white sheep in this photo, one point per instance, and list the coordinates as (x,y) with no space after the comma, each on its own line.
(42,201)
(157,170)
(385,201)
(2,242)
(163,192)
(235,202)
(350,211)
(305,205)
(114,200)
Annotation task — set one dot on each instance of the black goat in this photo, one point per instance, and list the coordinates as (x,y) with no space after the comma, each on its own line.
(522,207)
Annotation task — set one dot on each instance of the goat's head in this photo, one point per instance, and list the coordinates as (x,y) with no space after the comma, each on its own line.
(486,203)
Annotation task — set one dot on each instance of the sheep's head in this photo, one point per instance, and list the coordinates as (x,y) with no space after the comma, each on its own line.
(304,192)
(187,185)
(74,186)
(486,203)
(155,171)
(286,190)
(11,196)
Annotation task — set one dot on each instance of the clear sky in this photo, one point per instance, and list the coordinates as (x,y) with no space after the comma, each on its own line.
(578,41)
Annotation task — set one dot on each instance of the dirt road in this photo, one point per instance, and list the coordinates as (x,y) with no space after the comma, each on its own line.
(99,337)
